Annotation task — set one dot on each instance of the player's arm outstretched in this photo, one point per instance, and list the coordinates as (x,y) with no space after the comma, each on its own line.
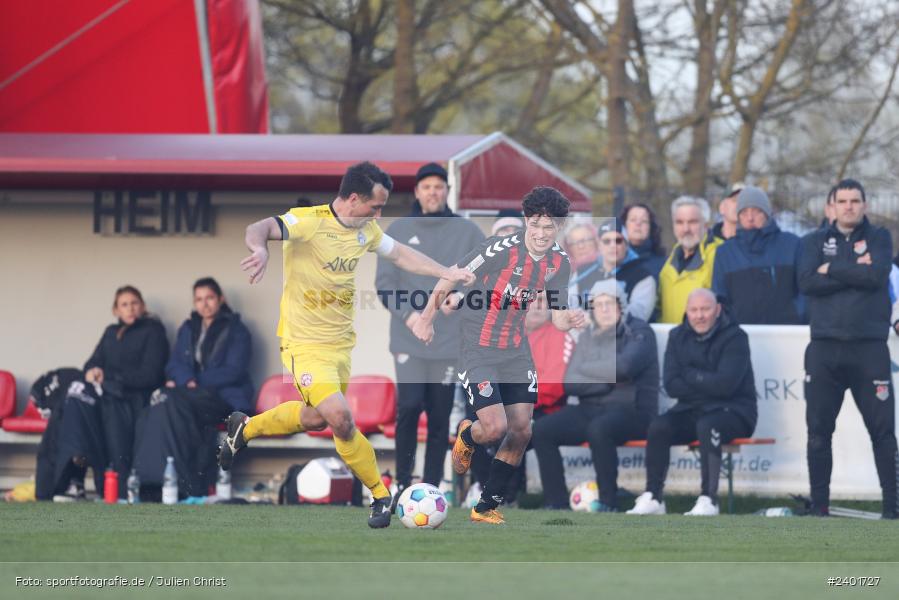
(257,237)
(410,259)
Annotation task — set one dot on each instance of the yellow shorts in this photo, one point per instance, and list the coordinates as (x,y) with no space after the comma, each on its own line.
(318,371)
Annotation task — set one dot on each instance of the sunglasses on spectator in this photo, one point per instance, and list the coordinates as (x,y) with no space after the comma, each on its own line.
(582,242)
(618,240)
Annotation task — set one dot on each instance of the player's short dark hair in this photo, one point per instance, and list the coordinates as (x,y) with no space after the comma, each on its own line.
(849,184)
(545,201)
(832,194)
(361,179)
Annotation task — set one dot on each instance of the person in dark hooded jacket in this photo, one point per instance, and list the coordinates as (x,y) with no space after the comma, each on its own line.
(426,374)
(755,272)
(708,369)
(97,428)
(207,379)
(614,372)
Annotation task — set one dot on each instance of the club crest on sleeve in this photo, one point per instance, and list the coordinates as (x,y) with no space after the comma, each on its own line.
(306,379)
(881,389)
(485,389)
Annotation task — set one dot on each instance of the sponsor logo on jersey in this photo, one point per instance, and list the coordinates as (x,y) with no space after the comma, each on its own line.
(485,389)
(860,247)
(341,265)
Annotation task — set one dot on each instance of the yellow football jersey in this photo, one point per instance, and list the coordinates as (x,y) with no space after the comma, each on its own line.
(320,259)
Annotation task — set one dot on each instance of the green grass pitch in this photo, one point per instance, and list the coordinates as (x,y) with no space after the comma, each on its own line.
(329,552)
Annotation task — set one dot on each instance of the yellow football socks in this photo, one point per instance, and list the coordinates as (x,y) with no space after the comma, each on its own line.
(359,456)
(284,419)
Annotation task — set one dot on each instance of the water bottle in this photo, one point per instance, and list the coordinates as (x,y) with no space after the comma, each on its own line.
(170,482)
(777,511)
(133,484)
(223,485)
(111,486)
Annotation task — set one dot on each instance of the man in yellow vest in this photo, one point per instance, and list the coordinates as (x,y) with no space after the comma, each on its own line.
(689,266)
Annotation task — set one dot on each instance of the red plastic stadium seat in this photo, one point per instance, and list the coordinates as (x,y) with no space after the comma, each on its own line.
(372,400)
(30,421)
(7,395)
(389,429)
(276,390)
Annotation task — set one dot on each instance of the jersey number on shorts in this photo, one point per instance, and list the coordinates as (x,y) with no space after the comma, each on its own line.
(532,375)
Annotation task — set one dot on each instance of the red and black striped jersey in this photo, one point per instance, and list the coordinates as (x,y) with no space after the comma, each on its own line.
(508,279)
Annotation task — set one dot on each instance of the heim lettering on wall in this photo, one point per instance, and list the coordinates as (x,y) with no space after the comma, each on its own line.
(152,212)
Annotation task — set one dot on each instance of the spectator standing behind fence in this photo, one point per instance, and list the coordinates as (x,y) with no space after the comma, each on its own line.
(844,271)
(755,271)
(614,372)
(689,266)
(207,377)
(97,429)
(621,264)
(426,376)
(582,245)
(727,208)
(644,237)
(709,370)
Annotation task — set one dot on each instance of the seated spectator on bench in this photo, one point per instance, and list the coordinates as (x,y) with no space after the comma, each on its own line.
(99,414)
(708,369)
(614,372)
(207,378)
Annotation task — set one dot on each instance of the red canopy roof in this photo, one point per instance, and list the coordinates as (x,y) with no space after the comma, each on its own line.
(120,66)
(486,172)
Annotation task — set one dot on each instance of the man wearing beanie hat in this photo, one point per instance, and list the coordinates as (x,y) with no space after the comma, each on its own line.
(755,271)
(425,373)
(507,222)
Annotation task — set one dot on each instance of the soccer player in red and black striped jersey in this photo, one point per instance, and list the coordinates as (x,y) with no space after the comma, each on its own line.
(496,368)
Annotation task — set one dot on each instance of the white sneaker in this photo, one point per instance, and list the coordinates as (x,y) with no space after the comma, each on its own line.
(647,505)
(704,507)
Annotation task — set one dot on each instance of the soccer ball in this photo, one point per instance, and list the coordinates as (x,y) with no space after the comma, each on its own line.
(422,506)
(585,497)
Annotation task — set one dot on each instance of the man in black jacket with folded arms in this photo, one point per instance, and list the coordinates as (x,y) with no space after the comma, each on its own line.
(844,270)
(708,369)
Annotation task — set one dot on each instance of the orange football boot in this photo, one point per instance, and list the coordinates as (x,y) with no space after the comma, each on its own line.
(461,451)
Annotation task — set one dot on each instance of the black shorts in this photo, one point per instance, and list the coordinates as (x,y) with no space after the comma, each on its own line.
(490,376)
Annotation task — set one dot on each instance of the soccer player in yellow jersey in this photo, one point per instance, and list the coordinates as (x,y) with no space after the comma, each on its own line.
(322,247)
